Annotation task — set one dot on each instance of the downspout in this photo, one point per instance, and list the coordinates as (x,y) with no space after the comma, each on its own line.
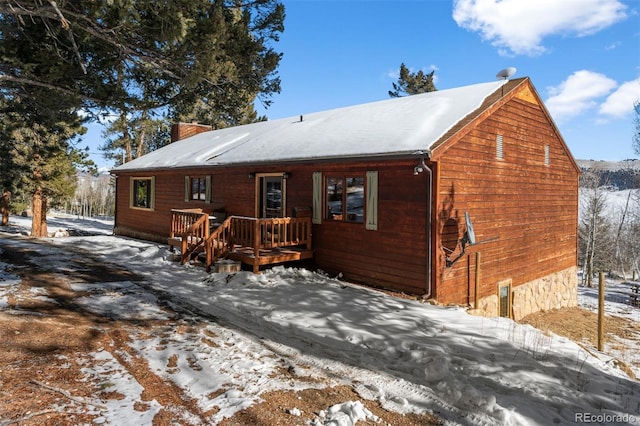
(429,231)
(422,167)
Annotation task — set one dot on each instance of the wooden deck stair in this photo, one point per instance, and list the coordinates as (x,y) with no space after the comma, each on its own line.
(253,241)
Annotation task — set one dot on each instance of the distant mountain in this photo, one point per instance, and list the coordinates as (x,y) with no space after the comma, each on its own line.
(617,175)
(632,163)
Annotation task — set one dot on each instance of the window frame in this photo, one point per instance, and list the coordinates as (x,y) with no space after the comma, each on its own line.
(150,197)
(203,194)
(508,308)
(343,179)
(260,183)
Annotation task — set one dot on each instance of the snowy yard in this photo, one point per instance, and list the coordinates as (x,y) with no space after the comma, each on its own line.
(408,356)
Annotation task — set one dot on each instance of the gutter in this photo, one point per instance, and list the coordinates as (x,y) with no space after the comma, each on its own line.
(400,155)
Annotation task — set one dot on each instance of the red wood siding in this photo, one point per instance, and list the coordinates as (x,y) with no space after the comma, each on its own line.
(523,211)
(394,256)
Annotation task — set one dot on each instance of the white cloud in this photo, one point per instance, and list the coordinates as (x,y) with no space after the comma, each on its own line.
(620,103)
(519,26)
(577,94)
(613,45)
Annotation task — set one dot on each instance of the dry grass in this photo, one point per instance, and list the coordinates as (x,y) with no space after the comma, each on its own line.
(581,326)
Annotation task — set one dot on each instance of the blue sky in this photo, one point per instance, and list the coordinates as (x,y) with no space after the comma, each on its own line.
(583,56)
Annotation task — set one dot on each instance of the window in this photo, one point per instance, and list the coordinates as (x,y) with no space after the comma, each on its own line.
(142,193)
(345,199)
(504,298)
(331,195)
(197,188)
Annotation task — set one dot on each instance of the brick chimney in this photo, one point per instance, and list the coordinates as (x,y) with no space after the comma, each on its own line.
(181,131)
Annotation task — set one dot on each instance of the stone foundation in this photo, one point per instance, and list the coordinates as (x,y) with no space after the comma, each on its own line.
(128,232)
(555,291)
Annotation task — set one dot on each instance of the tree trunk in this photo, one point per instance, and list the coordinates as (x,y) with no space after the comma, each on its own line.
(141,144)
(591,255)
(39,219)
(5,208)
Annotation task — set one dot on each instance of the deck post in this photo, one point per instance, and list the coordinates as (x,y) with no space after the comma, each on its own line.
(256,246)
(601,312)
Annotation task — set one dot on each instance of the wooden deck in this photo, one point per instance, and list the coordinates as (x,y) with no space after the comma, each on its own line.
(253,241)
(270,256)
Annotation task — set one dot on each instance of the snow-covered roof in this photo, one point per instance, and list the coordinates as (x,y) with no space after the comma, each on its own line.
(394,126)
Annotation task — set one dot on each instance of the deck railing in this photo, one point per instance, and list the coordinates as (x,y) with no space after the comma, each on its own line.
(271,232)
(192,227)
(181,220)
(219,242)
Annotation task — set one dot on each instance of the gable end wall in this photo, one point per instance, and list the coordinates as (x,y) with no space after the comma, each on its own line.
(524,212)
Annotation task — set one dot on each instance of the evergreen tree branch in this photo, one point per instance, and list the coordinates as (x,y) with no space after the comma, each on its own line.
(66,26)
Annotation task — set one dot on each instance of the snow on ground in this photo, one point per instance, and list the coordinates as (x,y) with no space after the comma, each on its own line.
(410,356)
(616,304)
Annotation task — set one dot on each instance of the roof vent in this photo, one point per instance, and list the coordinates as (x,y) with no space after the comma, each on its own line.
(547,155)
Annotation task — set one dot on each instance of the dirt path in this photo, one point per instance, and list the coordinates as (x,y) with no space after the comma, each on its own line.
(48,342)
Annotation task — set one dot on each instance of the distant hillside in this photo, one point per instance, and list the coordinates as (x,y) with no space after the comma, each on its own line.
(616,174)
(632,163)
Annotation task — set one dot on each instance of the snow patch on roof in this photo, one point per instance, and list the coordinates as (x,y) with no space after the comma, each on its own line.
(389,127)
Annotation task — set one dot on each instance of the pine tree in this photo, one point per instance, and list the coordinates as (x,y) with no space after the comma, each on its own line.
(205,60)
(40,161)
(412,83)
(139,60)
(38,116)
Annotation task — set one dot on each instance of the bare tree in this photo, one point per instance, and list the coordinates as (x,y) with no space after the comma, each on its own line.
(595,237)
(630,237)
(94,196)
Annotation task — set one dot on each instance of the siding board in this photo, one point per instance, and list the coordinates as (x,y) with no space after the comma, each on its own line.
(525,209)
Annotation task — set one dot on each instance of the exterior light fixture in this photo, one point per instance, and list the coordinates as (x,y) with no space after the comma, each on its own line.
(421,167)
